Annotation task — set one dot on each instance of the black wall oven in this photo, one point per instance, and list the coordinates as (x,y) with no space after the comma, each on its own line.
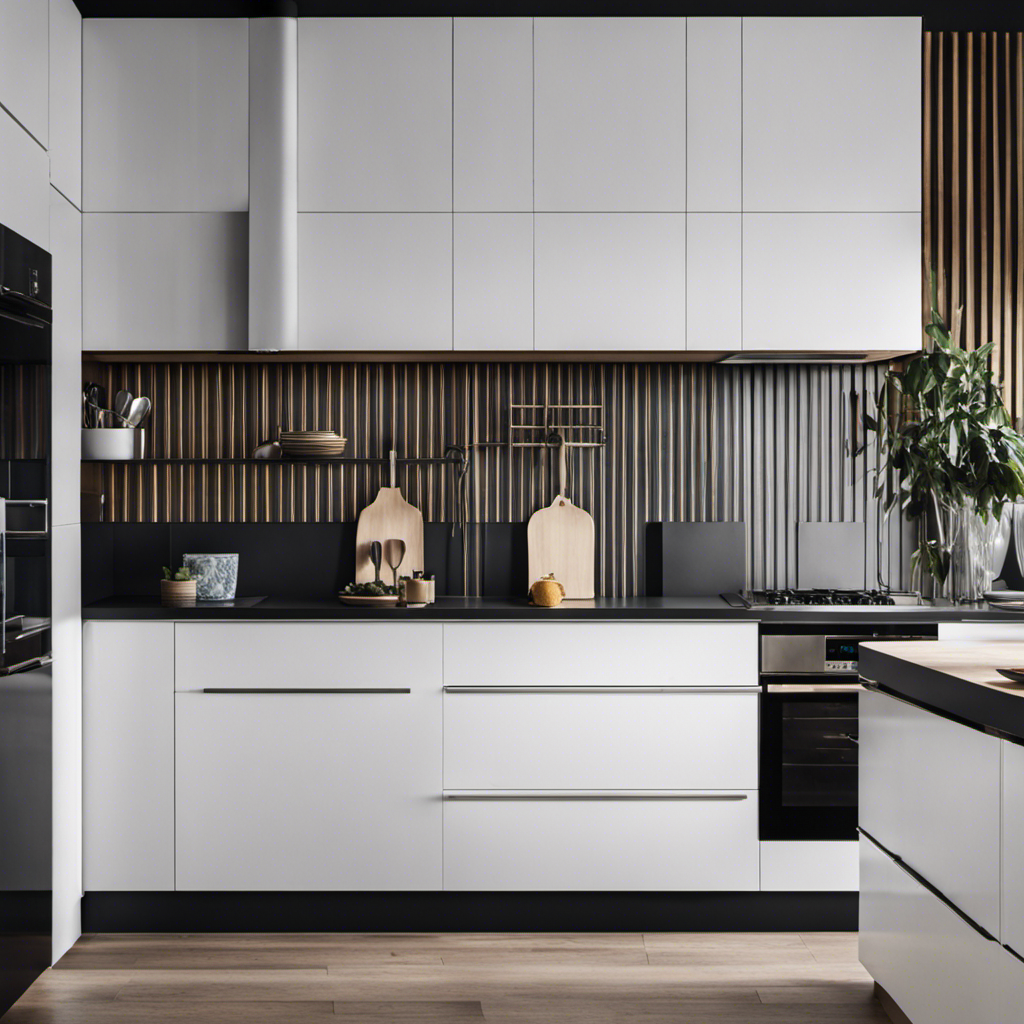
(25,650)
(809,730)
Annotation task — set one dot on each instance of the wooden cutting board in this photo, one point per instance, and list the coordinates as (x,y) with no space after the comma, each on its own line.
(560,539)
(389,517)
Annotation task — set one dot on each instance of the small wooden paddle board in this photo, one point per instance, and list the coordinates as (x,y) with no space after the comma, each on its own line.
(560,539)
(389,517)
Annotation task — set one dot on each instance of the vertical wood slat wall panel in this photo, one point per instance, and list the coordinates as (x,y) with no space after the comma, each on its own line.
(765,444)
(974,192)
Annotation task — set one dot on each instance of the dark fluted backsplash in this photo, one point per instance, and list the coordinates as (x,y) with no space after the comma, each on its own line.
(684,441)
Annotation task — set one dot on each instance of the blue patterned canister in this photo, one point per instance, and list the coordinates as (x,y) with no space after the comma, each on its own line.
(216,576)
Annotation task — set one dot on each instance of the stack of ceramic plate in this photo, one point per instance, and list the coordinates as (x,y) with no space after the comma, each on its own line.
(312,444)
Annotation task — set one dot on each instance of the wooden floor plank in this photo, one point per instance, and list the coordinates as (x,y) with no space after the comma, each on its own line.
(520,978)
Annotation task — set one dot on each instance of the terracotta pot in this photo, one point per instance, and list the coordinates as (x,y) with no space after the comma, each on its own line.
(178,593)
(547,592)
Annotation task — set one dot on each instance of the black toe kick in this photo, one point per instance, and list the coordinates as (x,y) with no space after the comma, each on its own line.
(468,911)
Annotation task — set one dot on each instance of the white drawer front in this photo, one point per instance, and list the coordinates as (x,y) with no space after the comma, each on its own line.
(308,791)
(303,655)
(575,841)
(639,739)
(935,965)
(601,653)
(942,818)
(809,866)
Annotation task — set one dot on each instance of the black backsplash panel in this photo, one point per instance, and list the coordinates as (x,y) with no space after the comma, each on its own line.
(286,560)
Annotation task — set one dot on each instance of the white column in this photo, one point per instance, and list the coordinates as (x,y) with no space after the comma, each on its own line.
(273,183)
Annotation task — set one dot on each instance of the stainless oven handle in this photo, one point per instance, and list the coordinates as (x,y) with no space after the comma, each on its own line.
(782,688)
(22,297)
(27,666)
(42,503)
(23,318)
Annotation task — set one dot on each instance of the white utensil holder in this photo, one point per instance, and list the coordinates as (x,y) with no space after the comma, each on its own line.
(108,444)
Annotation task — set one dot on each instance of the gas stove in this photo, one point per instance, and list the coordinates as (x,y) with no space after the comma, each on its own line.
(793,598)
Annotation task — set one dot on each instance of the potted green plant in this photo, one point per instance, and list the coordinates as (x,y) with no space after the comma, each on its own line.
(950,458)
(178,589)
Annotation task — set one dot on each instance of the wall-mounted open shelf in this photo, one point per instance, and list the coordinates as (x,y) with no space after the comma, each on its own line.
(343,461)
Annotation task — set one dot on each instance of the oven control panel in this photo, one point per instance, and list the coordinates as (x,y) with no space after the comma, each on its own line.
(841,653)
(821,654)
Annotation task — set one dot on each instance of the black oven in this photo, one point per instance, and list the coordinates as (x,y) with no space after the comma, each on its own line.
(26,835)
(809,731)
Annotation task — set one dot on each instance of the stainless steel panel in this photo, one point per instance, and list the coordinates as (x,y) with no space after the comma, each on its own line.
(793,653)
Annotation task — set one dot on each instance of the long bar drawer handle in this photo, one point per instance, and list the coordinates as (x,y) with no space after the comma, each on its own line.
(319,689)
(602,689)
(589,794)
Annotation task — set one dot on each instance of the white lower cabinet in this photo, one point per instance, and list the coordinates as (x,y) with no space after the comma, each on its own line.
(809,866)
(1012,932)
(591,841)
(576,738)
(309,790)
(929,793)
(937,967)
(1011,987)
(128,755)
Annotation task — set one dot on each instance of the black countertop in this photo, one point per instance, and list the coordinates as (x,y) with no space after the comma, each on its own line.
(674,609)
(957,679)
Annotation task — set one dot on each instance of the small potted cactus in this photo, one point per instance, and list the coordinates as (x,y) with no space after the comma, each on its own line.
(178,589)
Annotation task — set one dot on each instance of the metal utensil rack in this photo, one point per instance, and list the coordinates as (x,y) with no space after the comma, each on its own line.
(557,419)
(559,425)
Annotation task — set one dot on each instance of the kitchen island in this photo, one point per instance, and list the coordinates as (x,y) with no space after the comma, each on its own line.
(942,830)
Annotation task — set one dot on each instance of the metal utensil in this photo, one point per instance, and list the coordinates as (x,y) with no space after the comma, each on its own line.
(122,403)
(101,415)
(139,411)
(375,556)
(394,552)
(95,396)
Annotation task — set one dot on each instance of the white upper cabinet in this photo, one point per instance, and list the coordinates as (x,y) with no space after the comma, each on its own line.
(375,281)
(832,114)
(24,49)
(612,281)
(610,114)
(165,114)
(492,93)
(493,276)
(714,287)
(24,183)
(375,114)
(66,99)
(165,281)
(714,111)
(848,282)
